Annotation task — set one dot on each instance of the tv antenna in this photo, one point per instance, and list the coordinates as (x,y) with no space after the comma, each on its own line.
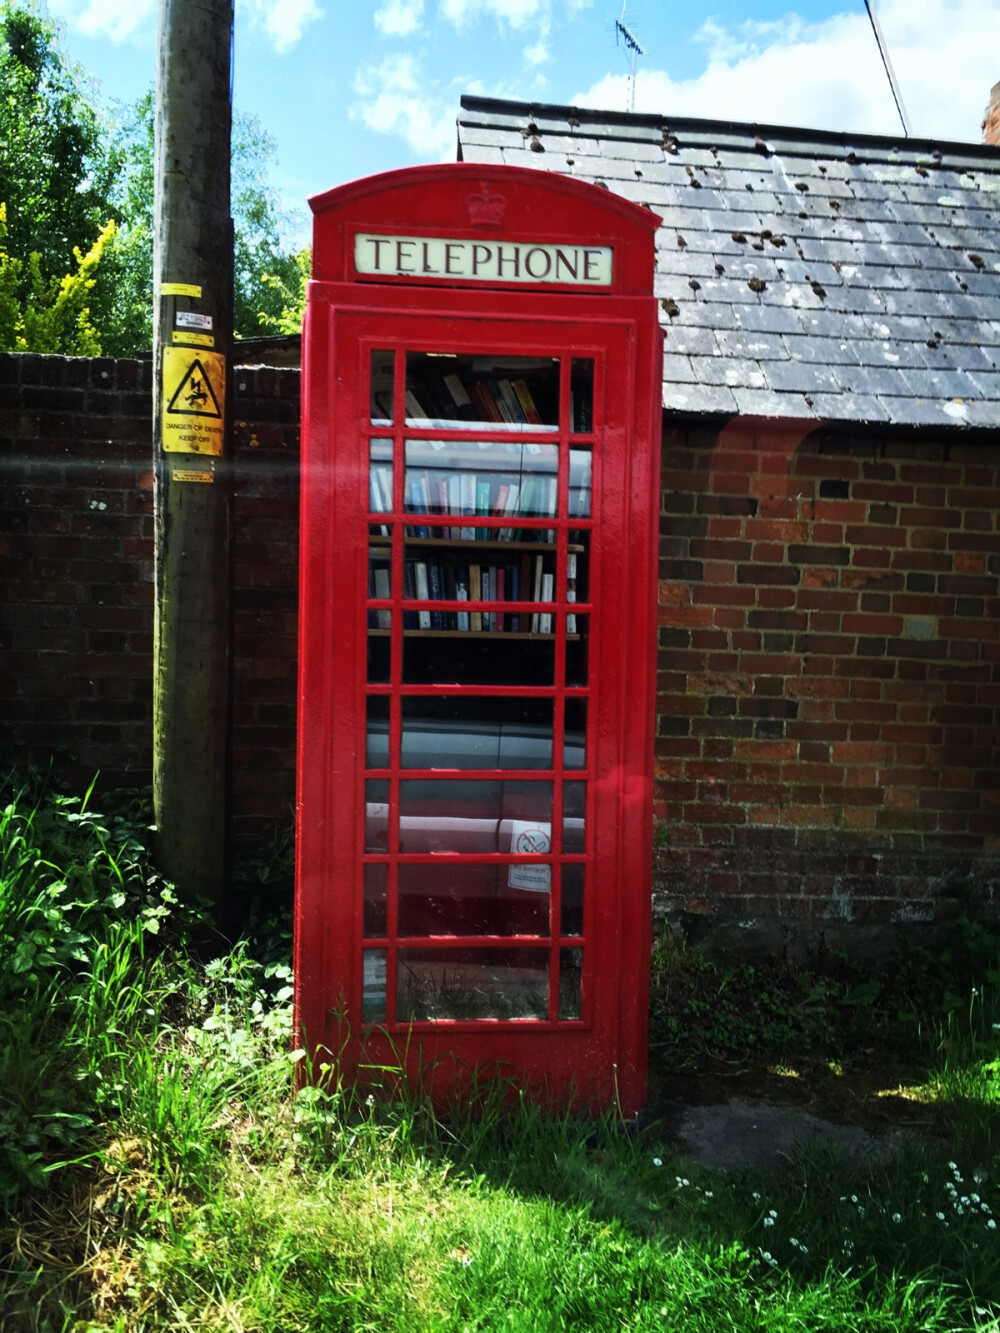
(883,51)
(633,51)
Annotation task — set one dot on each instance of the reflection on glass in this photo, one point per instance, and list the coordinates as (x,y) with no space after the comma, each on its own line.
(574,817)
(478,659)
(377,736)
(470,816)
(484,486)
(377,815)
(571,912)
(570,983)
(380,481)
(581,383)
(492,392)
(577,649)
(376,877)
(373,973)
(468,900)
(575,734)
(472,984)
(580,482)
(382,378)
(456,731)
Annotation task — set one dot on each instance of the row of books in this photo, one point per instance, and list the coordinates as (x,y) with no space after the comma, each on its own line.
(450,398)
(468,495)
(523,580)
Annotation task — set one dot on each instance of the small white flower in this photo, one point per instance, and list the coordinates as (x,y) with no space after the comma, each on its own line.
(769,1221)
(709,1194)
(991,1225)
(657,1161)
(854,1198)
(756,1197)
(897,1217)
(771,1213)
(952,1166)
(975,1198)
(939,1216)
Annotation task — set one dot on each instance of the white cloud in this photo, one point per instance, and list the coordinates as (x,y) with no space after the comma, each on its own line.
(537,53)
(114,19)
(513,13)
(829,75)
(284,21)
(395,99)
(398,18)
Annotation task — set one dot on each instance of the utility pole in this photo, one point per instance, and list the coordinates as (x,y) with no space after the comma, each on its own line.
(192,320)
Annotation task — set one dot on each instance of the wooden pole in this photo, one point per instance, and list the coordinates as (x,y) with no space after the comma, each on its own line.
(193,302)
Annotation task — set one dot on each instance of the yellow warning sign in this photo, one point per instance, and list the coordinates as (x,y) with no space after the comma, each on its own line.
(181,289)
(185,336)
(194,399)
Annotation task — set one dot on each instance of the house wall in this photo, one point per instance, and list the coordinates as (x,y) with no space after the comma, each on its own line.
(829,673)
(829,639)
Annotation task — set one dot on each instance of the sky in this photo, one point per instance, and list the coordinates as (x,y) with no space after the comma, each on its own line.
(346,88)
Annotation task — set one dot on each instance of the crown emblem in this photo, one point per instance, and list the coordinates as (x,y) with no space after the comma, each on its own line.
(486,209)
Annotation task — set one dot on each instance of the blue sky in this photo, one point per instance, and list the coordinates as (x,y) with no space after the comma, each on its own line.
(350,87)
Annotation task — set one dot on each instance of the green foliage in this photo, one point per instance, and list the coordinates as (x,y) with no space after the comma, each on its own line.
(159,1173)
(53,314)
(52,174)
(67,167)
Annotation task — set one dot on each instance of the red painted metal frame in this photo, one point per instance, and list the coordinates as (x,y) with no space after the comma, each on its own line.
(599,1058)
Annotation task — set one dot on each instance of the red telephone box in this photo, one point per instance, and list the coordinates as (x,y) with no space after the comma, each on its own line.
(480,462)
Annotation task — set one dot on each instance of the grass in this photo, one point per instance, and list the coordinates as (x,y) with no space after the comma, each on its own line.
(157,1173)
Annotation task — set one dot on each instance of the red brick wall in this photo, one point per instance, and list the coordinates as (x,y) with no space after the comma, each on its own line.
(76,576)
(829,673)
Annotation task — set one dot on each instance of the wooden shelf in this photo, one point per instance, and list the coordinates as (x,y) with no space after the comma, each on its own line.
(504,634)
(462,545)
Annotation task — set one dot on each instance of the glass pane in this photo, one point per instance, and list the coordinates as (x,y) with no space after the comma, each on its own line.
(470,816)
(575,734)
(380,480)
(377,815)
(373,972)
(472,983)
(574,817)
(577,654)
(495,392)
(378,657)
(477,659)
(379,582)
(582,396)
(468,900)
(377,741)
(570,983)
(580,482)
(376,876)
(571,912)
(382,380)
(487,485)
(448,731)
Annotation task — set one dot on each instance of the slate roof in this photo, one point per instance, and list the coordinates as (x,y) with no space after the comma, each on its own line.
(848,278)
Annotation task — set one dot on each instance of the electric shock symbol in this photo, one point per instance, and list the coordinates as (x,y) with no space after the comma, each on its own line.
(194,395)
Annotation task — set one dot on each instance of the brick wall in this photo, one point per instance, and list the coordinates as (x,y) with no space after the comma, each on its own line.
(829,655)
(829,673)
(76,553)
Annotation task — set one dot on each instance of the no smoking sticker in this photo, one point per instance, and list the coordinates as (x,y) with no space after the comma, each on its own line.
(193,398)
(530,839)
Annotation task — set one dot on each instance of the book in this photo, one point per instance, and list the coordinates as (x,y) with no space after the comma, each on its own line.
(468,506)
(475,595)
(545,617)
(462,595)
(435,580)
(531,413)
(483,506)
(409,593)
(536,595)
(423,593)
(510,508)
(571,591)
(463,406)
